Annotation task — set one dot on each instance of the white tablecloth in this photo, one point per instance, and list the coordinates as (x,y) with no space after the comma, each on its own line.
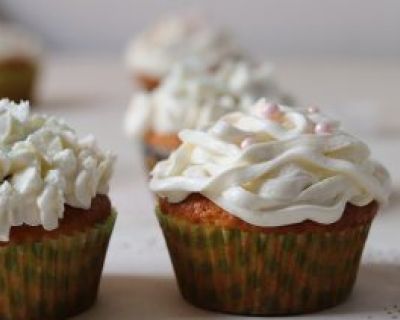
(138,282)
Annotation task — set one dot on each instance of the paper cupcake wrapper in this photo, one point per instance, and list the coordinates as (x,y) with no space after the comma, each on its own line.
(152,155)
(53,278)
(255,273)
(17,84)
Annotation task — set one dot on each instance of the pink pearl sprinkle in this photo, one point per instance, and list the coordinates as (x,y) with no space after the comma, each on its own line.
(271,111)
(312,109)
(247,142)
(323,128)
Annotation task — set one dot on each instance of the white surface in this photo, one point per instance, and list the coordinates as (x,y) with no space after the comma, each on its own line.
(270,27)
(138,281)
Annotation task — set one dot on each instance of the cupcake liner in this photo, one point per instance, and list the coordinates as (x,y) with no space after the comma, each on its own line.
(53,278)
(256,273)
(17,84)
(153,154)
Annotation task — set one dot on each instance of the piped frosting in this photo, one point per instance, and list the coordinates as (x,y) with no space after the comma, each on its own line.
(44,166)
(176,39)
(192,97)
(273,168)
(16,43)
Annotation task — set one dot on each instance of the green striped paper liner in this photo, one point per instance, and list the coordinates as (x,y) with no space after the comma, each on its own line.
(53,278)
(17,83)
(255,273)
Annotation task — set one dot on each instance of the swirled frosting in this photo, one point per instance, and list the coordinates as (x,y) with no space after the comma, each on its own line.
(273,168)
(191,97)
(17,43)
(176,39)
(43,166)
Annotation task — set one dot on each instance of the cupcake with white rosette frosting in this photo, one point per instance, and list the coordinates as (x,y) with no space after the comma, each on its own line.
(268,212)
(55,216)
(153,53)
(19,62)
(192,97)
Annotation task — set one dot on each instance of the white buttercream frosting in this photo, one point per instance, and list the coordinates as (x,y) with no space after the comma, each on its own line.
(176,39)
(191,97)
(273,169)
(43,166)
(15,42)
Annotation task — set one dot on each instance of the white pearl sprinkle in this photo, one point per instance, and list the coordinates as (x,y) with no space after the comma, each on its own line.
(313,109)
(246,142)
(323,128)
(271,111)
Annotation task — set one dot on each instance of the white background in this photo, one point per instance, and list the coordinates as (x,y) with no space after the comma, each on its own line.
(359,28)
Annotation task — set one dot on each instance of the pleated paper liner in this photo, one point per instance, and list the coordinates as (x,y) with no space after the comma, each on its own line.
(152,155)
(256,273)
(53,278)
(17,81)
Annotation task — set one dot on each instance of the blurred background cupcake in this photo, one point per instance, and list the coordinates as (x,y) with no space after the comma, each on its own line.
(267,213)
(153,53)
(56,217)
(19,63)
(191,97)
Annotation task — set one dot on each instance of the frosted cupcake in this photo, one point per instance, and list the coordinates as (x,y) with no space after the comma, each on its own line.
(55,216)
(190,98)
(268,213)
(19,57)
(152,54)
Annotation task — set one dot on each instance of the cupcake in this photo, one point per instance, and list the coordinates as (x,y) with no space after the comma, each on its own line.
(152,54)
(19,55)
(267,213)
(55,216)
(192,97)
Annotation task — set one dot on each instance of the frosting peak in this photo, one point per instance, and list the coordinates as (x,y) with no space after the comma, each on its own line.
(43,166)
(273,167)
